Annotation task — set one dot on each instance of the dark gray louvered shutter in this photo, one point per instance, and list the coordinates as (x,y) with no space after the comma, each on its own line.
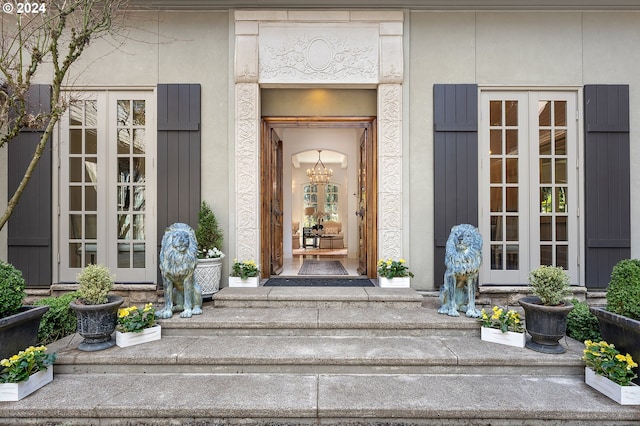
(30,225)
(178,155)
(607,181)
(455,163)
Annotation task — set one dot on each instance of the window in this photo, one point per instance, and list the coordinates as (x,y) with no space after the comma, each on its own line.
(331,203)
(330,193)
(529,184)
(310,203)
(107,181)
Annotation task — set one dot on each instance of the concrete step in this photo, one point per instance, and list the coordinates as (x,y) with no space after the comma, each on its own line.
(349,321)
(330,362)
(318,399)
(325,297)
(331,340)
(318,355)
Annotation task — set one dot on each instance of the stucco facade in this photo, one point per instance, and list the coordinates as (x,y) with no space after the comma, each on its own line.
(503,50)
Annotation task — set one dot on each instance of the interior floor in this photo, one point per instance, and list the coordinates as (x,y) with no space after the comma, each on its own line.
(291,266)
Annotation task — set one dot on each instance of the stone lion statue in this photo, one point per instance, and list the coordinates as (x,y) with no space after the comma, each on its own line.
(178,259)
(463,257)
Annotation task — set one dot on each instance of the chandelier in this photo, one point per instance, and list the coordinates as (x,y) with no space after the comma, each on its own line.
(319,173)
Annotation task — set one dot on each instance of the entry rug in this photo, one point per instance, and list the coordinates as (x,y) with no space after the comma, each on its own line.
(322,267)
(318,282)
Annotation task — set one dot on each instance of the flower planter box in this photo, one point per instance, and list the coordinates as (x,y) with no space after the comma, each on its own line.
(622,331)
(17,391)
(623,395)
(132,338)
(239,282)
(397,282)
(508,338)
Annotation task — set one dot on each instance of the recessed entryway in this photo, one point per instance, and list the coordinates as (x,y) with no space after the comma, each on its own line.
(351,221)
(280,51)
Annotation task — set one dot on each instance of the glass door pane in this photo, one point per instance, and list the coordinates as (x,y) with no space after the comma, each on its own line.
(82,184)
(504,185)
(131,183)
(553,178)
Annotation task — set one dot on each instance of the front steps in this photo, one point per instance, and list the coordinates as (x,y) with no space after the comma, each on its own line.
(366,363)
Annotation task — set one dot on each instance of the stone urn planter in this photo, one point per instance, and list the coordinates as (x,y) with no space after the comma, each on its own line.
(96,323)
(19,331)
(208,273)
(546,324)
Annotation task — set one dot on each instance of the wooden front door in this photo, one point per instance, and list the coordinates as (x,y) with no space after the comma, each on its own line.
(272,235)
(272,189)
(366,213)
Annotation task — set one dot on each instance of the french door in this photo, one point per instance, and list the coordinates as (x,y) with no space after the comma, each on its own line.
(529,184)
(107,148)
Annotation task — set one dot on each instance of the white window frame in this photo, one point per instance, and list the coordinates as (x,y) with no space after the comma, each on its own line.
(107,200)
(529,170)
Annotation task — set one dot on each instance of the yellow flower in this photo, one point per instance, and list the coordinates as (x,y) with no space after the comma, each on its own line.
(402,260)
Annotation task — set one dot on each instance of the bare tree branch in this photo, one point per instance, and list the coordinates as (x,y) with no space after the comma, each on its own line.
(57,37)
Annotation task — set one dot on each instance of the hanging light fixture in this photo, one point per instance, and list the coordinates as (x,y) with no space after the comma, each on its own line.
(319,173)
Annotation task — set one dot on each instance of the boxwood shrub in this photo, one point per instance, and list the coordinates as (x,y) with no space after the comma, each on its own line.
(581,324)
(623,294)
(59,321)
(11,289)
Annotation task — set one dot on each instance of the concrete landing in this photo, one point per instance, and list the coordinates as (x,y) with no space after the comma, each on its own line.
(293,399)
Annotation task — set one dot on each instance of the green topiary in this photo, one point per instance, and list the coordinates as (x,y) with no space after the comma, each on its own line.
(95,284)
(550,284)
(59,321)
(208,234)
(623,294)
(11,289)
(582,324)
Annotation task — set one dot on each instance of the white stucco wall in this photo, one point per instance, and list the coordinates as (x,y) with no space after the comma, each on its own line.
(169,47)
(519,49)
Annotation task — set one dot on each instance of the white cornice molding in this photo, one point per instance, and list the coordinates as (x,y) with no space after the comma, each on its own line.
(388,4)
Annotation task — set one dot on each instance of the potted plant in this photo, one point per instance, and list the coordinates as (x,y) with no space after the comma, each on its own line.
(394,273)
(25,372)
(546,311)
(620,320)
(96,310)
(502,326)
(209,236)
(137,326)
(610,372)
(244,274)
(18,323)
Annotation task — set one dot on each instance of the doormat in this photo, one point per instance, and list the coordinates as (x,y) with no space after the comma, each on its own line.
(322,267)
(318,282)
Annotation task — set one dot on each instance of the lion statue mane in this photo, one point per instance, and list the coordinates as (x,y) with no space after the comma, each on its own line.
(178,260)
(463,257)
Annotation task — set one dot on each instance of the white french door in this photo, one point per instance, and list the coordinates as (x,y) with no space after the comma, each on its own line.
(529,184)
(107,185)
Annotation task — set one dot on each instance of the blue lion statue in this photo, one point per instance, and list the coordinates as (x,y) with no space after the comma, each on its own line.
(178,260)
(463,257)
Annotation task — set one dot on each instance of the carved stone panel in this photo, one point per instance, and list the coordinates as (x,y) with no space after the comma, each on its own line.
(246,165)
(298,53)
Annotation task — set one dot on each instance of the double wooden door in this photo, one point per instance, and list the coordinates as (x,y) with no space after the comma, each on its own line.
(272,190)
